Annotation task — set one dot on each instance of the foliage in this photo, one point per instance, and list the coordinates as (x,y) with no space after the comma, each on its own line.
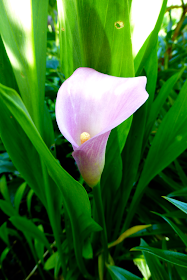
(49,223)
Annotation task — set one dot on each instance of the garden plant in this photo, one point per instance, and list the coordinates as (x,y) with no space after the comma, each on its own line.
(93,139)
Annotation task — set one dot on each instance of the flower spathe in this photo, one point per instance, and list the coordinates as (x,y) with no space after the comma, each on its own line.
(94,103)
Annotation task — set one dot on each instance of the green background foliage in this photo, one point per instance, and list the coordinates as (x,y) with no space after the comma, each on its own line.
(47,208)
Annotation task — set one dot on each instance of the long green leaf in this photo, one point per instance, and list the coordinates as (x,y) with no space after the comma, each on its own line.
(169,256)
(75,197)
(21,151)
(4,254)
(19,195)
(39,246)
(151,69)
(118,273)
(4,233)
(181,205)
(157,270)
(30,229)
(181,173)
(4,188)
(6,73)
(170,141)
(175,228)
(131,156)
(182,192)
(159,101)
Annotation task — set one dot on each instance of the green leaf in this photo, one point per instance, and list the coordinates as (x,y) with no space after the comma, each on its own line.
(6,166)
(182,236)
(112,174)
(4,233)
(182,192)
(151,70)
(87,251)
(169,256)
(30,229)
(19,195)
(4,188)
(149,43)
(169,181)
(181,173)
(123,131)
(159,101)
(21,151)
(48,129)
(156,268)
(52,261)
(140,16)
(170,141)
(143,267)
(156,229)
(39,246)
(4,254)
(75,197)
(6,73)
(29,200)
(181,205)
(101,32)
(7,208)
(182,272)
(131,156)
(118,273)
(101,266)
(24,36)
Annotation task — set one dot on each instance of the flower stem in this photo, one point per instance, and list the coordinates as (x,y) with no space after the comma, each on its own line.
(100,218)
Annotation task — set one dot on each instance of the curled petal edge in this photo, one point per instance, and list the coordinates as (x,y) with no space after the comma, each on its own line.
(90,158)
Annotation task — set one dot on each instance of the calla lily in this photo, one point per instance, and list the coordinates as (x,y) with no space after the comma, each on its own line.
(89,104)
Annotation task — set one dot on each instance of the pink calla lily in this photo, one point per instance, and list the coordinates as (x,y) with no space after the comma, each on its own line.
(95,103)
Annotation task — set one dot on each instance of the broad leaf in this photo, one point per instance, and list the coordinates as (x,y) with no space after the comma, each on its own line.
(24,36)
(100,30)
(75,197)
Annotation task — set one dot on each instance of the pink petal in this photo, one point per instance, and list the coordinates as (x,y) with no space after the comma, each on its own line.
(95,103)
(90,158)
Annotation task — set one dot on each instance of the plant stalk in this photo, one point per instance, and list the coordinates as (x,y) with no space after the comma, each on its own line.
(100,219)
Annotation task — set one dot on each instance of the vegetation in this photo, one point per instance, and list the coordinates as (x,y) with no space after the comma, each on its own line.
(51,220)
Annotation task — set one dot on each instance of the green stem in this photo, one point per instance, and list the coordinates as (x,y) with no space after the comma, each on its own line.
(34,256)
(100,218)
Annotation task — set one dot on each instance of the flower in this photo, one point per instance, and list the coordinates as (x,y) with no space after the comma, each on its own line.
(89,104)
